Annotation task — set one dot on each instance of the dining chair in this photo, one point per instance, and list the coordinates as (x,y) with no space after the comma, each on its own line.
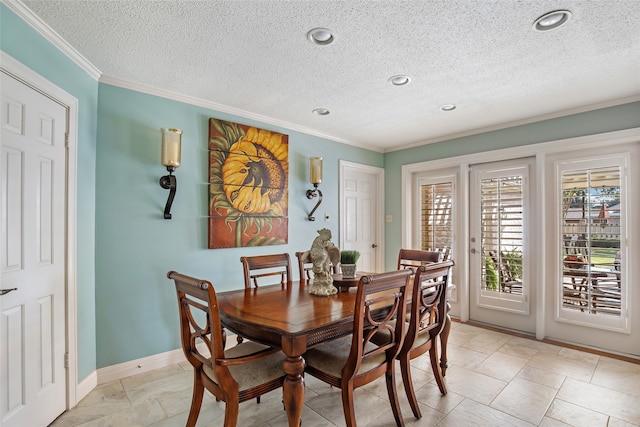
(271,265)
(305,267)
(243,372)
(412,258)
(428,312)
(354,360)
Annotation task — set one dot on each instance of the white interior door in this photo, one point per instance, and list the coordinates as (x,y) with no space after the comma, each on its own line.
(500,217)
(361,226)
(32,256)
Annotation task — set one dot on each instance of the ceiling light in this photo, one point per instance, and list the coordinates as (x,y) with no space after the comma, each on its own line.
(321,111)
(399,80)
(551,20)
(321,36)
(447,107)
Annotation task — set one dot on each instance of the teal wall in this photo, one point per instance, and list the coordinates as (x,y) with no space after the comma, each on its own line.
(24,44)
(610,119)
(136,312)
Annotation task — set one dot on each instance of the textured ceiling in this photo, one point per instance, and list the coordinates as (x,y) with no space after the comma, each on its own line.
(253,58)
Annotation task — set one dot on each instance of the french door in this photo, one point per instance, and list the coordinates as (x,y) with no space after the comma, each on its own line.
(501,204)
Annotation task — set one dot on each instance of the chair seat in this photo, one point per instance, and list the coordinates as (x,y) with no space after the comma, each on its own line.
(332,356)
(251,374)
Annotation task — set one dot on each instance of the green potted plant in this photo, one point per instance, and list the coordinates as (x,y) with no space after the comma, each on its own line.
(348,260)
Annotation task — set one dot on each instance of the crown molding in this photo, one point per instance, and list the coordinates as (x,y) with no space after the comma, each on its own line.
(53,37)
(192,100)
(549,116)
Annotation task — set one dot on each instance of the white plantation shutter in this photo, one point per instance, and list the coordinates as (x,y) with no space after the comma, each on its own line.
(591,285)
(501,204)
(436,216)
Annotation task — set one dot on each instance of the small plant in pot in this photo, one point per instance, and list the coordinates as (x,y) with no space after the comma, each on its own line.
(348,260)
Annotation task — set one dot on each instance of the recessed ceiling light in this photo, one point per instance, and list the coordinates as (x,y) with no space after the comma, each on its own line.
(321,36)
(321,111)
(551,20)
(399,80)
(447,107)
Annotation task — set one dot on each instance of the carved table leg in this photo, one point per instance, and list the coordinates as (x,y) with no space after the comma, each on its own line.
(444,339)
(293,389)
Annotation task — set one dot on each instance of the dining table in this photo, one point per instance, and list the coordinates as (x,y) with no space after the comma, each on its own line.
(287,317)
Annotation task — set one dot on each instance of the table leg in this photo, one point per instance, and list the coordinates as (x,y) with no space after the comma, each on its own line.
(293,389)
(444,339)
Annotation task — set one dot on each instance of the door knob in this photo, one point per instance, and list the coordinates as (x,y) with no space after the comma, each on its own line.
(473,251)
(6,291)
(373,245)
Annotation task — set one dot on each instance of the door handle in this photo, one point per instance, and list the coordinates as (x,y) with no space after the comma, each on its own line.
(473,250)
(6,291)
(373,245)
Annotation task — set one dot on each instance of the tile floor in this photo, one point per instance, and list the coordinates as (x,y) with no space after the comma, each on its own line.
(494,379)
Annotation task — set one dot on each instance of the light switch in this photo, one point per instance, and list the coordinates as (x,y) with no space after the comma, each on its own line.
(389,218)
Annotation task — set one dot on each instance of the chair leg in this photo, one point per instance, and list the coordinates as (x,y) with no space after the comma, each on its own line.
(231,410)
(196,399)
(393,394)
(405,369)
(437,371)
(347,405)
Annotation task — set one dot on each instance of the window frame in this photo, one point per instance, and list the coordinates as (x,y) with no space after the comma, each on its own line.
(576,317)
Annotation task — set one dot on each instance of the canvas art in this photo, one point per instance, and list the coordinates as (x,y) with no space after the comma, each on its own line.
(248,186)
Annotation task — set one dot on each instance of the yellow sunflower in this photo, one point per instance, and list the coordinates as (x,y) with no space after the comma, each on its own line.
(254,174)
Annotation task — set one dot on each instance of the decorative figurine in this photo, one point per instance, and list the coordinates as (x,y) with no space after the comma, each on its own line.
(322,254)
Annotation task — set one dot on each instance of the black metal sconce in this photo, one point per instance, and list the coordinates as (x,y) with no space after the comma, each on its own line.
(315,172)
(171,147)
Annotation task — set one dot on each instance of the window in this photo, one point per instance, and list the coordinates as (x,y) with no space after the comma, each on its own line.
(502,210)
(592,199)
(436,216)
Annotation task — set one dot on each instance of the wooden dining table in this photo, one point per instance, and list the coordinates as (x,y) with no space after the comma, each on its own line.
(291,319)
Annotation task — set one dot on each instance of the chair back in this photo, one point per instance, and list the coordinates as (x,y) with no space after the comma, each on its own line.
(428,309)
(271,265)
(413,258)
(380,298)
(305,267)
(199,321)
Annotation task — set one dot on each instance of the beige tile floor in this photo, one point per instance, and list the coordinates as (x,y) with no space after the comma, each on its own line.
(494,379)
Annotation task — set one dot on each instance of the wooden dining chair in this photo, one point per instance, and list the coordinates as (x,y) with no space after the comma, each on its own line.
(428,312)
(305,267)
(240,373)
(412,258)
(270,265)
(353,361)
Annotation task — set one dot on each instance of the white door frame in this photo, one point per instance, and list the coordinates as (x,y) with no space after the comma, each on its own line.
(30,78)
(344,167)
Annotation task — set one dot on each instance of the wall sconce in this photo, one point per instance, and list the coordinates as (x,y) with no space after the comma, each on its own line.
(171,146)
(315,172)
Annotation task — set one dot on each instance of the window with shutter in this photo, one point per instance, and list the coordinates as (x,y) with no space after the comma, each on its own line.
(436,216)
(591,287)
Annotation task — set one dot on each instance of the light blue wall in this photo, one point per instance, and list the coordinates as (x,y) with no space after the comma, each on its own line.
(24,44)
(610,119)
(136,312)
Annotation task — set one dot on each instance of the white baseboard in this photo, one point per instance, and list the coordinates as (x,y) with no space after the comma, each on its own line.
(85,386)
(137,366)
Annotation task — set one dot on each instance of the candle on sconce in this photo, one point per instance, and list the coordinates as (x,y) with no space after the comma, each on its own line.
(315,166)
(171,147)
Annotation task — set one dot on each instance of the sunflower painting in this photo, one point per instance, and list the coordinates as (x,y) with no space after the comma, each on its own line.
(248,186)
